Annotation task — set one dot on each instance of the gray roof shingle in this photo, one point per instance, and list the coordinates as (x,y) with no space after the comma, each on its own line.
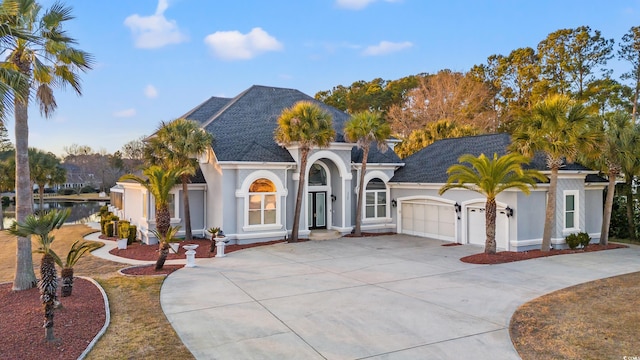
(430,164)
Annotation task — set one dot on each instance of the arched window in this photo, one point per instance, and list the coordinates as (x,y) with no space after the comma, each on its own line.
(317,175)
(376,199)
(262,202)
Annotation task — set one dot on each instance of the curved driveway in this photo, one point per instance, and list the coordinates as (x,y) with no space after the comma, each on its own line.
(386,297)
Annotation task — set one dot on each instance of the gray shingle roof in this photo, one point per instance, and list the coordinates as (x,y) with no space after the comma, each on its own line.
(430,164)
(243,127)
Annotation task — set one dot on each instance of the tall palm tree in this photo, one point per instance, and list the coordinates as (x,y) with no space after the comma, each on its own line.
(619,147)
(159,183)
(41,227)
(306,125)
(47,58)
(365,128)
(561,129)
(45,170)
(177,144)
(490,177)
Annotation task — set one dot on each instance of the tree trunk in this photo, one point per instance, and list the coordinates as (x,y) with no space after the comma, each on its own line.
(187,212)
(41,200)
(365,156)
(630,208)
(48,287)
(1,217)
(67,282)
(162,256)
(163,220)
(490,222)
(634,113)
(549,220)
(304,152)
(25,277)
(608,206)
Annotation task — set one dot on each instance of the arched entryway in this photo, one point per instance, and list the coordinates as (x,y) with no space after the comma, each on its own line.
(318,195)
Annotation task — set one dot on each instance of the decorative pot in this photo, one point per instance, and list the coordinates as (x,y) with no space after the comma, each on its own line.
(122,243)
(174,247)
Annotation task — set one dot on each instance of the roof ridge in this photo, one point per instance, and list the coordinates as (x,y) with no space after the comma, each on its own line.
(225,107)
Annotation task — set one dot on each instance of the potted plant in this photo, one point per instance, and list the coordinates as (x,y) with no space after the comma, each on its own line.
(174,243)
(123,236)
(214,233)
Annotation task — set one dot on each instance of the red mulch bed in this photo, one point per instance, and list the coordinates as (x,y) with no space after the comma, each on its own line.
(366,234)
(75,324)
(511,256)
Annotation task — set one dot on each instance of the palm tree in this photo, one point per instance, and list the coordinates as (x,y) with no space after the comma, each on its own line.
(164,240)
(47,59)
(619,148)
(75,253)
(307,125)
(490,177)
(41,227)
(177,144)
(159,183)
(562,130)
(45,170)
(366,128)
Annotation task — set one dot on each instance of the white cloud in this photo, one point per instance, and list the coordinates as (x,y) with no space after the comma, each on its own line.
(358,4)
(233,45)
(386,47)
(154,31)
(150,92)
(125,113)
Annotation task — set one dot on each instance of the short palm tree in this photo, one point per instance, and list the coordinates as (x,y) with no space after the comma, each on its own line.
(75,253)
(45,170)
(164,241)
(177,144)
(43,52)
(490,177)
(41,227)
(620,147)
(562,130)
(307,125)
(365,128)
(159,183)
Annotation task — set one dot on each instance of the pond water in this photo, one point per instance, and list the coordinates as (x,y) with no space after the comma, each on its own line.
(81,212)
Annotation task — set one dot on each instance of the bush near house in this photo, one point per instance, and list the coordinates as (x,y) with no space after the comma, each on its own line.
(577,239)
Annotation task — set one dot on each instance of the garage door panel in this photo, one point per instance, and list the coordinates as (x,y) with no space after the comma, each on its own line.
(422,218)
(476,228)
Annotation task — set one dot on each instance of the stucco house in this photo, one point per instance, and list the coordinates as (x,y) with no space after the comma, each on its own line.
(247,185)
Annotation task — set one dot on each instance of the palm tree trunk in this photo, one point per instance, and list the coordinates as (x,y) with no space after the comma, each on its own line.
(304,152)
(550,213)
(1,217)
(608,206)
(365,156)
(162,256)
(187,212)
(163,220)
(490,221)
(41,200)
(48,287)
(67,282)
(25,277)
(630,211)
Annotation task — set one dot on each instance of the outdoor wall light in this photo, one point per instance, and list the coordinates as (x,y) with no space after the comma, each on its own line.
(458,209)
(394,203)
(509,211)
(333,198)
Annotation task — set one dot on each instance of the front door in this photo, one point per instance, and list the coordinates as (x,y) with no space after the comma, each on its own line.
(317,201)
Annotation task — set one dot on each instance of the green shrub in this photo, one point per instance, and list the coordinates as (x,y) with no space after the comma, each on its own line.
(123,229)
(66,192)
(103,210)
(88,190)
(577,239)
(109,228)
(132,234)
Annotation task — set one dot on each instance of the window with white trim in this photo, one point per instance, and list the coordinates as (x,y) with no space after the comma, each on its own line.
(571,209)
(171,203)
(375,199)
(262,202)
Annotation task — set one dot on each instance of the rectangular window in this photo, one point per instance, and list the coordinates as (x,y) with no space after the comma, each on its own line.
(172,205)
(262,209)
(376,204)
(570,209)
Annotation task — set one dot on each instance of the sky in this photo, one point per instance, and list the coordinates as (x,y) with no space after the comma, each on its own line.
(154,60)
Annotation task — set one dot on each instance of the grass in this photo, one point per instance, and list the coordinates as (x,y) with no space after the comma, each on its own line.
(138,327)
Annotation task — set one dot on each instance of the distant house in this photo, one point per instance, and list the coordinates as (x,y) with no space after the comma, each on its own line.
(77,178)
(247,185)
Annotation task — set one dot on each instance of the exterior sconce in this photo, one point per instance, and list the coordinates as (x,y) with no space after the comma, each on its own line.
(509,211)
(458,209)
(394,202)
(333,198)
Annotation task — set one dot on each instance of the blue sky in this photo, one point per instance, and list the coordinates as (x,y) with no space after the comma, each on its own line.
(157,59)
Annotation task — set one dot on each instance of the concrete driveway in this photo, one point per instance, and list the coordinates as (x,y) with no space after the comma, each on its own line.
(387,297)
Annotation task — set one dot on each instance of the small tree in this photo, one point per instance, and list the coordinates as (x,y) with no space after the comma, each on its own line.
(41,227)
(164,240)
(490,177)
(75,253)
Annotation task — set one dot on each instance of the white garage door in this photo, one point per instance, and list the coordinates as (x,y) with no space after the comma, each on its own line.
(476,229)
(428,219)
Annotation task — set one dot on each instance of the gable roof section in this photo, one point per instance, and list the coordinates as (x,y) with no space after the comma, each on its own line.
(243,127)
(375,156)
(430,164)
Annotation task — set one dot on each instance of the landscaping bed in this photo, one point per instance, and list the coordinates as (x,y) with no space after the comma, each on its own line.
(511,256)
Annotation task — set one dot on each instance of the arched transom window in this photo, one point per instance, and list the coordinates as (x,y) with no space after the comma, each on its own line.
(317,175)
(376,199)
(262,202)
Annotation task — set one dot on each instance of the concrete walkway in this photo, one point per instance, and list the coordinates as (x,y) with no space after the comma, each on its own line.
(387,297)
